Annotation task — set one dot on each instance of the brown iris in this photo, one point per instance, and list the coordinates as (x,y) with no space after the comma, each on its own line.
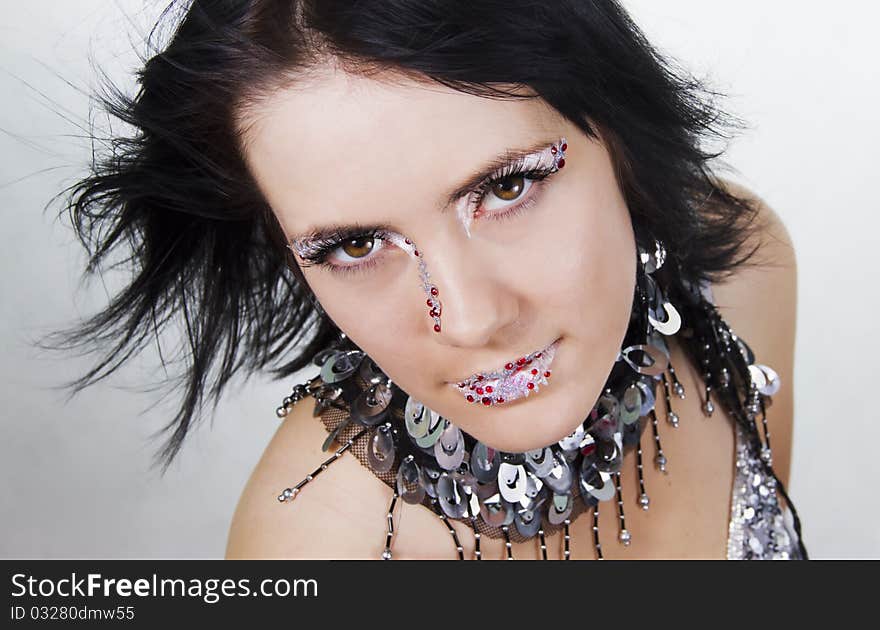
(358,247)
(509,188)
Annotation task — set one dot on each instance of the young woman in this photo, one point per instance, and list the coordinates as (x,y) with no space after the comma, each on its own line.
(495,228)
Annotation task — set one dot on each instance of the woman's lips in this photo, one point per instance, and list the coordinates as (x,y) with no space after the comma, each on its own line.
(518,378)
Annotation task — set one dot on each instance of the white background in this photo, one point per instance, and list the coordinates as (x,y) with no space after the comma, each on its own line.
(76,478)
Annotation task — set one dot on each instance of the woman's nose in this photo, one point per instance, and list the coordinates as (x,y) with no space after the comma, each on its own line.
(471,300)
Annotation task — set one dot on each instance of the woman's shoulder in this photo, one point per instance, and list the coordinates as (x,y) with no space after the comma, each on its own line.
(759,301)
(339,514)
(776,247)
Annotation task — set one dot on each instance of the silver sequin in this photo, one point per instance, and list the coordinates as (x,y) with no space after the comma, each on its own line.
(757,530)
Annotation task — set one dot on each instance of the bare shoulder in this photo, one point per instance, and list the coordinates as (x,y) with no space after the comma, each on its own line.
(759,301)
(339,514)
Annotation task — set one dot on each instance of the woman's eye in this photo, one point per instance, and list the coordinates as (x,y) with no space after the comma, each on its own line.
(509,188)
(502,193)
(352,251)
(358,247)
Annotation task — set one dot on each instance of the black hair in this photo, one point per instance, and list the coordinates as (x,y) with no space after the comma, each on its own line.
(202,243)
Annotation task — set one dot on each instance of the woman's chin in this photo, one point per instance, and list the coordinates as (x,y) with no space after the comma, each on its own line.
(518,428)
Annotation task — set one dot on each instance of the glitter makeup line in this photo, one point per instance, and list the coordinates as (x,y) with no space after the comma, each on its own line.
(316,249)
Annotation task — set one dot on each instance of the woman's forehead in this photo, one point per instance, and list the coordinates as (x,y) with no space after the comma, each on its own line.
(342,139)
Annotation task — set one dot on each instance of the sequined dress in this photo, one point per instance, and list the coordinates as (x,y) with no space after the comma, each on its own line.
(758,528)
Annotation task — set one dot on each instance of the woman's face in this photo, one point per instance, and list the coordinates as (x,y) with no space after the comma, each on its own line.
(530,262)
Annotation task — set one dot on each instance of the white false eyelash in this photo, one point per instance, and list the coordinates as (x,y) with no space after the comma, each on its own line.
(464,213)
(528,163)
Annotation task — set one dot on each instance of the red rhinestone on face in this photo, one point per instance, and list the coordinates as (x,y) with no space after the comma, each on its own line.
(436,327)
(489,389)
(499,399)
(520,361)
(461,384)
(480,391)
(487,401)
(434,291)
(564,146)
(553,149)
(547,373)
(416,252)
(430,302)
(470,398)
(531,386)
(479,377)
(538,356)
(534,371)
(509,366)
(560,163)
(407,241)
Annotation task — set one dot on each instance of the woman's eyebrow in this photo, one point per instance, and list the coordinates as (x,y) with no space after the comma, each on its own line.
(470,182)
